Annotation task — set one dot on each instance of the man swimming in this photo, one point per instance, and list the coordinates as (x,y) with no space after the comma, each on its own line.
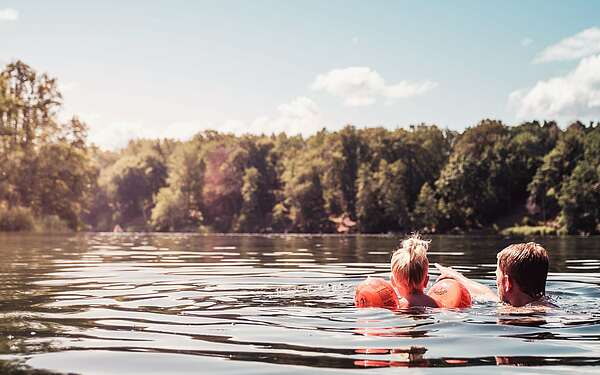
(521,274)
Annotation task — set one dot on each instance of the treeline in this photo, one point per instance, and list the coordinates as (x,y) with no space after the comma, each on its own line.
(369,180)
(46,172)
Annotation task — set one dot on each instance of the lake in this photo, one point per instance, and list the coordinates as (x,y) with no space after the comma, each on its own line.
(189,304)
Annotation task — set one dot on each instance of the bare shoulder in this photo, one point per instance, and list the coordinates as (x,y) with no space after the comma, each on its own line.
(542,305)
(544,302)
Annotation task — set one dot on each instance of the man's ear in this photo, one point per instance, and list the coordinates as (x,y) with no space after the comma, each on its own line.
(507,283)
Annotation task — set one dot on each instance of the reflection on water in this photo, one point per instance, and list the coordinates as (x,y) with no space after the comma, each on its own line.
(131,303)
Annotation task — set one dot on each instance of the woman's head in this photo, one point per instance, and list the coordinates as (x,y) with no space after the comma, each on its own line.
(409,266)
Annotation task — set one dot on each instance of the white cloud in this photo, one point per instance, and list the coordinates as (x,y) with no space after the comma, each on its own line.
(575,95)
(355,40)
(406,89)
(9,14)
(299,116)
(300,108)
(116,135)
(526,42)
(583,44)
(360,86)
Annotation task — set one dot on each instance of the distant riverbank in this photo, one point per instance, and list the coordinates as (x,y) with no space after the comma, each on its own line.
(528,178)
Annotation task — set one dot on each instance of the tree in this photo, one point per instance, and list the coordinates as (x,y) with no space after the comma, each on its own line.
(557,166)
(382,199)
(306,203)
(473,187)
(251,217)
(425,214)
(134,180)
(63,182)
(44,163)
(340,174)
(179,204)
(580,193)
(29,104)
(529,143)
(260,184)
(580,200)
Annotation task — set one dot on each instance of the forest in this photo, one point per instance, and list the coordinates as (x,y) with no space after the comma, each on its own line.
(491,177)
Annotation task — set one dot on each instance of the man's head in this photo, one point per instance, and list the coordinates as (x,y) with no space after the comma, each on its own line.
(409,266)
(521,273)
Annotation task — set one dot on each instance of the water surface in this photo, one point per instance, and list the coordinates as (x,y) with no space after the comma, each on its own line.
(156,304)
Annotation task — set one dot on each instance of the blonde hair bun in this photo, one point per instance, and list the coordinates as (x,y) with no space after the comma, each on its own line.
(409,265)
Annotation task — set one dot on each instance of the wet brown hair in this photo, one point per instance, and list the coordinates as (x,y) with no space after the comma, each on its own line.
(527,264)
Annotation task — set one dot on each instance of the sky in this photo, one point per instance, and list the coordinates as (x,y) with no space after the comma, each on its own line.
(173,68)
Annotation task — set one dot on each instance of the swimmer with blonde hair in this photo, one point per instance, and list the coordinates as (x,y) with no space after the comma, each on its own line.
(410,272)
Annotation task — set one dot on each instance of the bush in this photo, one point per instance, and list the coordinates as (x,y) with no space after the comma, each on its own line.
(528,231)
(51,223)
(22,219)
(16,219)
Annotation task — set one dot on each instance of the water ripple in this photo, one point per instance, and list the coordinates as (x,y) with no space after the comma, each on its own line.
(132,303)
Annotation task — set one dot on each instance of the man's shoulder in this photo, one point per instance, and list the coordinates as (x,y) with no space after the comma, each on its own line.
(543,301)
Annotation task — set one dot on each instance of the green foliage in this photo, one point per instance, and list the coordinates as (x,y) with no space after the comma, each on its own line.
(580,200)
(178,205)
(13,219)
(529,231)
(251,217)
(29,105)
(16,219)
(221,183)
(580,193)
(172,213)
(425,214)
(528,145)
(44,163)
(557,166)
(61,184)
(132,182)
(51,224)
(340,174)
(415,178)
(421,178)
(384,169)
(305,197)
(281,221)
(382,198)
(489,170)
(473,186)
(307,205)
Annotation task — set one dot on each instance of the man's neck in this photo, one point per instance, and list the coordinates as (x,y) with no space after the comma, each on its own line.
(519,299)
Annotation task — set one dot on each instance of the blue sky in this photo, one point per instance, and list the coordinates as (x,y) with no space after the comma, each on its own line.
(172,68)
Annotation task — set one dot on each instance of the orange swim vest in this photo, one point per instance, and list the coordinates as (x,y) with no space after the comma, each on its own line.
(449,293)
(375,292)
